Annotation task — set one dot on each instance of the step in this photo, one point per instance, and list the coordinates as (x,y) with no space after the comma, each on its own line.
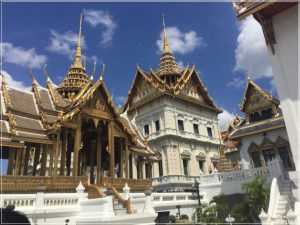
(120,211)
(283,197)
(280,222)
(118,206)
(280,211)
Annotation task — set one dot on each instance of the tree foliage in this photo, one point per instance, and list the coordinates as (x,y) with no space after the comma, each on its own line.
(256,198)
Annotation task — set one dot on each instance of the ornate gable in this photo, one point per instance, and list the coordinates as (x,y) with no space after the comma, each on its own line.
(255,98)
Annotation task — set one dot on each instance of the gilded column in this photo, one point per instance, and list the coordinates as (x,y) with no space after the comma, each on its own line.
(63,152)
(77,143)
(18,161)
(36,160)
(10,166)
(99,155)
(121,158)
(56,154)
(26,160)
(111,149)
(44,160)
(126,157)
(52,153)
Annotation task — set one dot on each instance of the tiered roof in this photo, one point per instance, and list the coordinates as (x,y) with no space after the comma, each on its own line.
(35,115)
(170,80)
(256,99)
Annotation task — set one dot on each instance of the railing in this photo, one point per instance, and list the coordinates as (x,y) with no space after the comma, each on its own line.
(172,197)
(186,134)
(272,170)
(39,200)
(118,183)
(171,179)
(22,183)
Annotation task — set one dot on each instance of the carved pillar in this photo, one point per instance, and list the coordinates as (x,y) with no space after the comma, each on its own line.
(121,157)
(56,154)
(26,160)
(18,161)
(35,160)
(77,143)
(52,153)
(130,167)
(126,157)
(10,166)
(63,152)
(99,155)
(43,160)
(111,149)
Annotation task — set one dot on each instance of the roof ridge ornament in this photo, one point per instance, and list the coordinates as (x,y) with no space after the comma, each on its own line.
(78,56)
(166,44)
(32,76)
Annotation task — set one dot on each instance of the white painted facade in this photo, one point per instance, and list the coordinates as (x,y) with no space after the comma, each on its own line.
(285,63)
(174,144)
(257,139)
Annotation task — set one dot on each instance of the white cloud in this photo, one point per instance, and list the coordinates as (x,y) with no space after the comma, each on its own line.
(224,119)
(21,56)
(251,53)
(98,17)
(179,41)
(237,82)
(181,64)
(65,44)
(120,99)
(11,82)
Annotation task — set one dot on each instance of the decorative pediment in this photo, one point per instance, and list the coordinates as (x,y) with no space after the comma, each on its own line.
(97,102)
(266,142)
(253,147)
(281,141)
(255,98)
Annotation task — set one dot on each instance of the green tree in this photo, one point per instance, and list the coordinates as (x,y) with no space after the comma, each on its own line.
(256,197)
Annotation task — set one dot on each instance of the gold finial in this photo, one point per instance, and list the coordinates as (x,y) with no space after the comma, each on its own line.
(32,76)
(78,59)
(94,70)
(166,45)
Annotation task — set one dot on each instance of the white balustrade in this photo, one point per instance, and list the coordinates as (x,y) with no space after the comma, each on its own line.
(174,179)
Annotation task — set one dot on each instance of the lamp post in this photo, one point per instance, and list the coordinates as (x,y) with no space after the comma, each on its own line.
(196,188)
(178,207)
(229,219)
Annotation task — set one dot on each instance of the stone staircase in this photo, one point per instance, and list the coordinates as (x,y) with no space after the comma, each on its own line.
(284,203)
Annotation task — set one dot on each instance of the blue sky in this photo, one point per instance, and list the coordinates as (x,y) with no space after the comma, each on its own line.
(122,35)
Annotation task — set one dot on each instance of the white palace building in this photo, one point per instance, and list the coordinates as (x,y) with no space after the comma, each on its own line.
(75,158)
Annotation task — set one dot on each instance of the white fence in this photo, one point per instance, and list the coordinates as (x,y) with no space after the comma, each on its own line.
(230,182)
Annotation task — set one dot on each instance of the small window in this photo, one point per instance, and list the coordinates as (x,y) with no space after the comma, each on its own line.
(269,155)
(196,128)
(284,155)
(180,125)
(201,164)
(157,125)
(256,159)
(146,129)
(160,168)
(185,166)
(209,132)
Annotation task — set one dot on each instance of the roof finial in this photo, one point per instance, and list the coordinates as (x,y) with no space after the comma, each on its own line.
(32,76)
(166,45)
(78,59)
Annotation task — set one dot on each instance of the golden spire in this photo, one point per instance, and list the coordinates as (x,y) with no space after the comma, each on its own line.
(166,44)
(78,57)
(167,65)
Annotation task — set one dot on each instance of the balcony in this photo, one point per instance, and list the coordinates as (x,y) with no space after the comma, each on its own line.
(183,134)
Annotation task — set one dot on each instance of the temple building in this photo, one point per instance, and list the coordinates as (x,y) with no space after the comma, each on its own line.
(173,109)
(55,136)
(262,135)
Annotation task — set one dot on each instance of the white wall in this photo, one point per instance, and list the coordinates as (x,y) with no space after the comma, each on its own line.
(285,69)
(257,139)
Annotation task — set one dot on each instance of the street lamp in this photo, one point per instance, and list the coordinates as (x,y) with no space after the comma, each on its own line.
(196,188)
(229,219)
(178,207)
